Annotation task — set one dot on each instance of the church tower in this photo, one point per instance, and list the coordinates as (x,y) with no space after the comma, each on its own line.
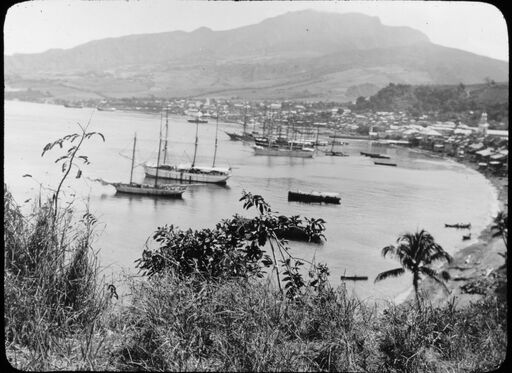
(483,126)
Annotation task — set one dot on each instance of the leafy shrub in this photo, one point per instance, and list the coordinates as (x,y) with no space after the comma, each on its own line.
(236,249)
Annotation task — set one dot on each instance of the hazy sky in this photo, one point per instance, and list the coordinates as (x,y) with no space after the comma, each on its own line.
(39,25)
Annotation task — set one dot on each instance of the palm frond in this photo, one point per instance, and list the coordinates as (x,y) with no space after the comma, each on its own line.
(391,273)
(389,250)
(441,255)
(433,275)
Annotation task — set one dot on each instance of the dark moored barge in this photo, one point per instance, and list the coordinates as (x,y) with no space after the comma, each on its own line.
(314,197)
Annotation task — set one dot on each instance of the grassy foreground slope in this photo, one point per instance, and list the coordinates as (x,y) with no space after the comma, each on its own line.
(59,315)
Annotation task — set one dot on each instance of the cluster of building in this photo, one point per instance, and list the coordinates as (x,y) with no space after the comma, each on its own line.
(486,147)
(476,143)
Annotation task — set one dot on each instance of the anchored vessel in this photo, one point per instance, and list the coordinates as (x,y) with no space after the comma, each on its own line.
(189,172)
(384,163)
(375,155)
(170,191)
(244,136)
(281,151)
(317,197)
(332,152)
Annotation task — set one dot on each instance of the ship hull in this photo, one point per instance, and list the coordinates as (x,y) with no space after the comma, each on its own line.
(239,137)
(280,152)
(169,192)
(184,176)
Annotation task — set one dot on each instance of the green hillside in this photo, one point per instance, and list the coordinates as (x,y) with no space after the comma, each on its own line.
(447,101)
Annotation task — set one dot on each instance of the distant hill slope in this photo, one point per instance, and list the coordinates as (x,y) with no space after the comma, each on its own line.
(305,54)
(469,101)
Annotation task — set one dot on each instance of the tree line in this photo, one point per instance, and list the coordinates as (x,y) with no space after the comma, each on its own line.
(448,101)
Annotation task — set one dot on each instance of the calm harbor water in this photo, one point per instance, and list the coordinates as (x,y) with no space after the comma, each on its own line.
(378,203)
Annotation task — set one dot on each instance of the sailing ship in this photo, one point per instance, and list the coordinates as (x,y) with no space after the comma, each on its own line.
(332,152)
(189,172)
(244,136)
(281,146)
(164,190)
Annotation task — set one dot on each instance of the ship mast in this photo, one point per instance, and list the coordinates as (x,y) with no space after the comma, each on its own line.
(245,119)
(317,133)
(159,151)
(334,138)
(166,133)
(216,130)
(195,145)
(133,156)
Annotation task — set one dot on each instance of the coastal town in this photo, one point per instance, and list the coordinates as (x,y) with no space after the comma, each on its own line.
(481,142)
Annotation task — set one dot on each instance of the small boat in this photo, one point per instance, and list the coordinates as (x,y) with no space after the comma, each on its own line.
(106,108)
(375,155)
(314,197)
(197,120)
(166,190)
(354,278)
(466,237)
(458,226)
(380,156)
(384,163)
(334,153)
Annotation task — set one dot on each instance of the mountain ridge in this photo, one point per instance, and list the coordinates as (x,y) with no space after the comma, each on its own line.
(306,53)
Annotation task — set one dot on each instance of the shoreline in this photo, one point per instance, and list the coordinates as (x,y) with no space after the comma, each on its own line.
(475,268)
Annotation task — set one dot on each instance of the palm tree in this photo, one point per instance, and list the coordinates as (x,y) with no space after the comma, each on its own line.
(416,251)
(500,226)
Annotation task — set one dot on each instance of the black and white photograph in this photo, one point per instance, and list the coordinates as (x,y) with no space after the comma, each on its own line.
(259,186)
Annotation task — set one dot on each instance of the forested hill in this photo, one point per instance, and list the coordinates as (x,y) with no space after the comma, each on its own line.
(444,99)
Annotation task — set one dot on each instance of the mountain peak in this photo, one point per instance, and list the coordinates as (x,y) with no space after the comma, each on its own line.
(305,53)
(202,30)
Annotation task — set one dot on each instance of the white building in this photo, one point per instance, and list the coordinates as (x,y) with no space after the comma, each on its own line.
(483,126)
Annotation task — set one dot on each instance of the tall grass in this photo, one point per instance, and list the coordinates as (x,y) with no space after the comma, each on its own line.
(53,293)
(57,316)
(241,325)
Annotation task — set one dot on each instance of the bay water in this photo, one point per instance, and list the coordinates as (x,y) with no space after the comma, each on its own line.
(378,202)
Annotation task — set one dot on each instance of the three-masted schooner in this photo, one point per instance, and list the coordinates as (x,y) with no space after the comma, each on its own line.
(189,172)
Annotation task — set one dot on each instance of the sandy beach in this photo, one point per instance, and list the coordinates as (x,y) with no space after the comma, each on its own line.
(476,269)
